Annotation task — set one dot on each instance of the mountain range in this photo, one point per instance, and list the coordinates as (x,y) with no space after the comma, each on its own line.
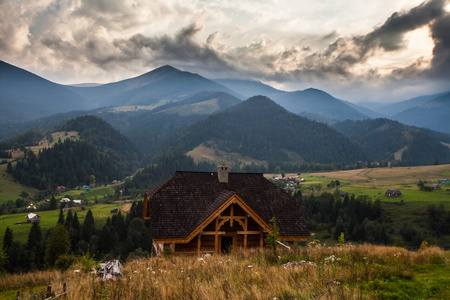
(25,96)
(212,121)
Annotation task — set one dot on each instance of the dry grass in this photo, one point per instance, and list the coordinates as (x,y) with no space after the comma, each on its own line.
(349,272)
(410,174)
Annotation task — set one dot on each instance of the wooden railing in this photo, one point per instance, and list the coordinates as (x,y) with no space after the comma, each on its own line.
(47,295)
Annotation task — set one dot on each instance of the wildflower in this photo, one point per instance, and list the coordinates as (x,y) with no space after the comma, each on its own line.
(336,282)
(201,260)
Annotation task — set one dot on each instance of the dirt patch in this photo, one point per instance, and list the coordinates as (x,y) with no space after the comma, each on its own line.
(126,208)
(204,153)
(398,155)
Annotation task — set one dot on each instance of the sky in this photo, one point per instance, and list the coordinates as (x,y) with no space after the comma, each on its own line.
(379,51)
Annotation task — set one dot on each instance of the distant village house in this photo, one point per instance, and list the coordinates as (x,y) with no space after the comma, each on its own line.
(33,218)
(393,193)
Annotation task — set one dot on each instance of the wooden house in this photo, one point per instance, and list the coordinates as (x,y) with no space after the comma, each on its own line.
(33,218)
(393,193)
(214,212)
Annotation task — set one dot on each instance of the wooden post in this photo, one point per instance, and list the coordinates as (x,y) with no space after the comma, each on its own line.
(291,245)
(231,215)
(18,295)
(64,290)
(49,291)
(261,240)
(246,229)
(199,243)
(216,237)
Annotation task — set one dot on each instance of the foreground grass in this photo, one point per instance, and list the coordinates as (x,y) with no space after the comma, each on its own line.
(350,272)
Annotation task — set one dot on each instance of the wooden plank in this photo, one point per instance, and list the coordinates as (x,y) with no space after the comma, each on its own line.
(249,232)
(199,243)
(245,229)
(231,215)
(234,217)
(213,232)
(216,240)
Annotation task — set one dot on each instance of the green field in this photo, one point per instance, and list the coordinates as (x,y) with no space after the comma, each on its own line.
(50,218)
(10,189)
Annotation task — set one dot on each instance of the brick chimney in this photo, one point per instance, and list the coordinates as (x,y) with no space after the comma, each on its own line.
(222,173)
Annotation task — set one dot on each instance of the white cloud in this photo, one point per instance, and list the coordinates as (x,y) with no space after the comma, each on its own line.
(344,46)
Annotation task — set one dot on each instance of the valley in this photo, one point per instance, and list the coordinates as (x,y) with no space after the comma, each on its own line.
(123,138)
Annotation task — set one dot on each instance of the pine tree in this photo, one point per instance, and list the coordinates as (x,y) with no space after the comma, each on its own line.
(69,220)
(53,203)
(34,247)
(9,168)
(8,239)
(88,228)
(60,218)
(75,233)
(35,236)
(58,244)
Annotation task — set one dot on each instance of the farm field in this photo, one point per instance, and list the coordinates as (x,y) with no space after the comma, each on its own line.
(375,182)
(50,218)
(409,209)
(10,189)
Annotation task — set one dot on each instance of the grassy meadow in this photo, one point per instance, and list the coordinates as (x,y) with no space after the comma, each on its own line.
(347,272)
(10,189)
(49,219)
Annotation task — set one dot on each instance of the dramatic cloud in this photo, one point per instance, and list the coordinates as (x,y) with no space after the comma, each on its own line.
(386,49)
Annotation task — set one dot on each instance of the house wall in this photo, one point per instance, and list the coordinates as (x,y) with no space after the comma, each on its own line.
(232,222)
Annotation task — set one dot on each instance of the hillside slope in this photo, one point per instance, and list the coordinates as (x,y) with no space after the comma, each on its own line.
(102,151)
(384,139)
(433,114)
(164,84)
(262,130)
(25,96)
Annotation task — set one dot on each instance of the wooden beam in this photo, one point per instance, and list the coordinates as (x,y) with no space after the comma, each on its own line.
(213,232)
(234,217)
(231,214)
(245,229)
(249,232)
(199,243)
(216,237)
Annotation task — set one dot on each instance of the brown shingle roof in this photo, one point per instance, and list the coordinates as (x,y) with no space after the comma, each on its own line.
(184,201)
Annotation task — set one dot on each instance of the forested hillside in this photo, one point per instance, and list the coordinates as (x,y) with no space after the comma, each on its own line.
(388,140)
(260,129)
(102,151)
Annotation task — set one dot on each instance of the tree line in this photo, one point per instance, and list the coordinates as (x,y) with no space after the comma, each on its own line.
(363,220)
(122,236)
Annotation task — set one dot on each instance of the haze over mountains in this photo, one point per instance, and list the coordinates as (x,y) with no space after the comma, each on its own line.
(171,110)
(26,96)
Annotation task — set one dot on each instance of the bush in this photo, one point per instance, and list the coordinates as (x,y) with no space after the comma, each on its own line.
(65,261)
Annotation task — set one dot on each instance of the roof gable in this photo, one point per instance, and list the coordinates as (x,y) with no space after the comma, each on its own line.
(178,206)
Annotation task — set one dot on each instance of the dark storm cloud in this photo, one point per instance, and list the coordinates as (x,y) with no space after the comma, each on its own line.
(389,36)
(338,59)
(181,47)
(440,32)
